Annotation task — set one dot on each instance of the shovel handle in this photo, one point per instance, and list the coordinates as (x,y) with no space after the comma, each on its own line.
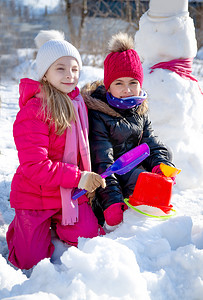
(78,193)
(142,155)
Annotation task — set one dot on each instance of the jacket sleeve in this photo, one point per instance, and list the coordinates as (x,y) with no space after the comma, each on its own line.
(102,157)
(31,135)
(158,151)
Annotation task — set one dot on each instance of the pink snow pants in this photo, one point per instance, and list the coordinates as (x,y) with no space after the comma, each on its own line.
(29,234)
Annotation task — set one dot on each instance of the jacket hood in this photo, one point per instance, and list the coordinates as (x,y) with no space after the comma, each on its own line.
(28,88)
(92,91)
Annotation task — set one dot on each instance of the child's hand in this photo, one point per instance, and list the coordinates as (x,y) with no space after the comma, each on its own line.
(90,196)
(157,170)
(114,213)
(90,181)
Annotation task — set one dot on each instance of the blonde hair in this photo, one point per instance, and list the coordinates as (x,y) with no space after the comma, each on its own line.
(57,107)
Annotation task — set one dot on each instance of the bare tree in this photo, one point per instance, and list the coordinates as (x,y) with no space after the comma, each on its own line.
(76,8)
(196,12)
(91,23)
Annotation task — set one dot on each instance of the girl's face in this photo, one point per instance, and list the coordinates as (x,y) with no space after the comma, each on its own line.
(125,87)
(63,74)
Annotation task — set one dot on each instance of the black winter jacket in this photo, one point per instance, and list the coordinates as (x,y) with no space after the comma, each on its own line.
(112,133)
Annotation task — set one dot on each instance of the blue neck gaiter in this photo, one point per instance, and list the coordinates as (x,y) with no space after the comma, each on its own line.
(126,103)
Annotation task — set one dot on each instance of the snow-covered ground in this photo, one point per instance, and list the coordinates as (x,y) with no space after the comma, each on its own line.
(144,258)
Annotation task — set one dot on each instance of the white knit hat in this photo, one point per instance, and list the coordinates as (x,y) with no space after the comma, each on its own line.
(160,10)
(52,50)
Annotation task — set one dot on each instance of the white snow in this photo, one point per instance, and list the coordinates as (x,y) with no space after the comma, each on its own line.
(175,103)
(143,258)
(39,6)
(200,53)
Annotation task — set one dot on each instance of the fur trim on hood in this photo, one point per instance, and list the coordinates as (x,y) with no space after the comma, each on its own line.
(96,104)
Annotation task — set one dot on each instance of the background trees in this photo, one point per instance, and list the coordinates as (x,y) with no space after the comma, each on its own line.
(87,24)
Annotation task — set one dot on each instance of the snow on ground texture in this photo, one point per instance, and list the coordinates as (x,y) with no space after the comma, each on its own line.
(144,258)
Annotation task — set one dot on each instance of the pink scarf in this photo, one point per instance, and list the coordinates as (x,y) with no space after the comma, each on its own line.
(182,67)
(76,142)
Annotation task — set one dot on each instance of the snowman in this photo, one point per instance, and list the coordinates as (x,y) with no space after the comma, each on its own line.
(166,44)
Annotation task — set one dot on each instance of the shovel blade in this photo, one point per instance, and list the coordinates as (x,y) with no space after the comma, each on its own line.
(130,159)
(169,171)
(122,165)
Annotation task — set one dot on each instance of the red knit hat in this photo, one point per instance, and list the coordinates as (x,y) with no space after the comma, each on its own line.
(123,61)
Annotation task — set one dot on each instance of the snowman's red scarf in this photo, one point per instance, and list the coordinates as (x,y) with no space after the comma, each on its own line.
(182,67)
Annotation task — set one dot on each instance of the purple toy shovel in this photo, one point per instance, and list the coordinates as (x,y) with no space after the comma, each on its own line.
(122,165)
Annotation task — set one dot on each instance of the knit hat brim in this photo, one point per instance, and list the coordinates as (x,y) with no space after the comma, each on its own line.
(53,50)
(122,64)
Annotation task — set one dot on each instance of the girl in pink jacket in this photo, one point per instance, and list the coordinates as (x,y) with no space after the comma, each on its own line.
(51,137)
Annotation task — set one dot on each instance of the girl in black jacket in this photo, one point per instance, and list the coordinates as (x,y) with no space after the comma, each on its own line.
(119,121)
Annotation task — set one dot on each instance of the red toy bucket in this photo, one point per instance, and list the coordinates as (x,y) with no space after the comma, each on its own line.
(153,190)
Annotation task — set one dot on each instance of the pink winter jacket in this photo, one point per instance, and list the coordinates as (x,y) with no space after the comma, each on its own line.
(36,183)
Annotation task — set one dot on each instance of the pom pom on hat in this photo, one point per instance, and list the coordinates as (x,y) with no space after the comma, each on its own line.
(120,42)
(52,49)
(47,35)
(122,61)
